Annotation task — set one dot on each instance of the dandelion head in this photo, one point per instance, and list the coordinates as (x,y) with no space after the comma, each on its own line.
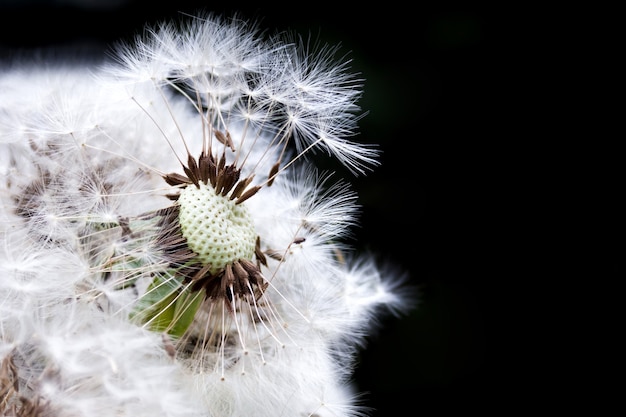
(176,184)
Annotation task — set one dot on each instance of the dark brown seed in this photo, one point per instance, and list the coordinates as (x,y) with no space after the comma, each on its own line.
(249,193)
(175,179)
(273,173)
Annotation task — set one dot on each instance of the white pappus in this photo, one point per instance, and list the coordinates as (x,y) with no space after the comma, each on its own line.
(167,247)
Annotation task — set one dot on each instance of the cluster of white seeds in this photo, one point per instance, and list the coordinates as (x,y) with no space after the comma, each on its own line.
(129,286)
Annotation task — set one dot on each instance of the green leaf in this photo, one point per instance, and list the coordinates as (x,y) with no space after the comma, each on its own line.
(167,306)
(184,312)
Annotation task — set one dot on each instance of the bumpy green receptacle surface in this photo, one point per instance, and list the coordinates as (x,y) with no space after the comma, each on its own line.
(216,228)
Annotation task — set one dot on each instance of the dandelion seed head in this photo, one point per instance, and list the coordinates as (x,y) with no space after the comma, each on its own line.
(168,246)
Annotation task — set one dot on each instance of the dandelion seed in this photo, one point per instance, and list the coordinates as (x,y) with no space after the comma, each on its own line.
(170,224)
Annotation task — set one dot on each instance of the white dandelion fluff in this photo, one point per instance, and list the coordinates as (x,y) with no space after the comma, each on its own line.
(167,246)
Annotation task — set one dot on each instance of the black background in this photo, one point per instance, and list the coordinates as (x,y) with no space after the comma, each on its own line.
(433,208)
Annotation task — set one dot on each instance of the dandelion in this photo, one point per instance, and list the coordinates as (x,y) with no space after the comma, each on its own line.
(168,246)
